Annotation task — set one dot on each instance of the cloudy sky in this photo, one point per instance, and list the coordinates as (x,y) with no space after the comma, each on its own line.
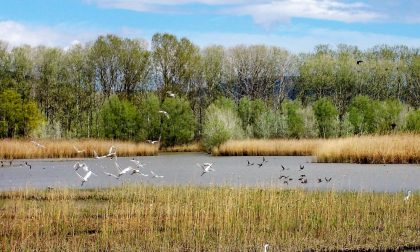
(297,25)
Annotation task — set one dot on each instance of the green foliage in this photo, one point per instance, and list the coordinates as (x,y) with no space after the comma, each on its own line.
(389,116)
(119,119)
(221,124)
(363,114)
(295,120)
(250,110)
(150,119)
(270,124)
(180,126)
(224,102)
(326,116)
(413,121)
(17,118)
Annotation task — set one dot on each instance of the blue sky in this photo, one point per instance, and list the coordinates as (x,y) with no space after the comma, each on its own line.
(297,25)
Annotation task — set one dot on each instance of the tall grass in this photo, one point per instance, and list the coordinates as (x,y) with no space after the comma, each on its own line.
(371,149)
(401,148)
(190,147)
(14,148)
(268,147)
(148,218)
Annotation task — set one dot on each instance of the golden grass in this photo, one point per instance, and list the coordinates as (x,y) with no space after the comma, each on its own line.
(371,149)
(191,147)
(14,148)
(150,218)
(268,147)
(402,148)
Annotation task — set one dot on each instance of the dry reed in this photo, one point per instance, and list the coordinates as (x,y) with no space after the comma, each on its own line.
(191,147)
(402,148)
(14,148)
(268,147)
(150,218)
(371,149)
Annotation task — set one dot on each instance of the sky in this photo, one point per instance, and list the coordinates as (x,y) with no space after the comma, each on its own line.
(296,25)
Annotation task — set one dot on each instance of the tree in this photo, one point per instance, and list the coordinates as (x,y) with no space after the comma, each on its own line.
(17,118)
(363,115)
(413,121)
(295,120)
(150,119)
(119,119)
(326,116)
(179,126)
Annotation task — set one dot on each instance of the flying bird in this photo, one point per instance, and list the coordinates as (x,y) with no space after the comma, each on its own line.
(301,167)
(111,175)
(78,165)
(138,172)
(77,150)
(164,113)
(264,160)
(95,155)
(38,145)
(260,165)
(154,175)
(328,179)
(86,177)
(206,167)
(170,94)
(359,61)
(249,163)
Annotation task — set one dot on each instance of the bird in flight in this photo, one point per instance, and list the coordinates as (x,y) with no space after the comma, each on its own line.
(206,167)
(38,145)
(359,61)
(170,94)
(164,113)
(77,150)
(249,163)
(86,177)
(154,175)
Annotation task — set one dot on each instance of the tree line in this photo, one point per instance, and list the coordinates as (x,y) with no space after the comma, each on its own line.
(80,90)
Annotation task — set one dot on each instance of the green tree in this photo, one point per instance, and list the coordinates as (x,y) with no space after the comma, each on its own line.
(150,119)
(413,121)
(119,119)
(326,115)
(363,114)
(179,126)
(295,120)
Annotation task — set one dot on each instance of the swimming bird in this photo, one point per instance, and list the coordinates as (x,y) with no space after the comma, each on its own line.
(78,165)
(77,150)
(164,113)
(86,177)
(301,167)
(249,163)
(206,167)
(111,175)
(154,175)
(407,197)
(38,145)
(327,179)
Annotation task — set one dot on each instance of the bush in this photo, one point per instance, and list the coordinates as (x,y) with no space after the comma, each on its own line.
(413,121)
(363,114)
(295,120)
(249,111)
(150,119)
(179,128)
(119,119)
(389,116)
(220,125)
(17,117)
(326,117)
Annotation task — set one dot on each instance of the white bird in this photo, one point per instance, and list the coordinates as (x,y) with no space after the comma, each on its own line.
(152,142)
(78,165)
(154,175)
(170,94)
(77,150)
(111,175)
(38,144)
(407,197)
(86,177)
(95,155)
(164,112)
(206,167)
(266,247)
(112,152)
(138,172)
(122,171)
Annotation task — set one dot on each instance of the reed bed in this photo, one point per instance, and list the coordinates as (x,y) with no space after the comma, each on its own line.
(268,147)
(15,148)
(191,147)
(185,218)
(401,148)
(396,149)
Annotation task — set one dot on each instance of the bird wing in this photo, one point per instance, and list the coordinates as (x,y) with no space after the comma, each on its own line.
(118,166)
(87,175)
(79,175)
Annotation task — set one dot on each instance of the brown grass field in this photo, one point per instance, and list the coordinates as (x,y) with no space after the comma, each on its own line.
(185,218)
(191,147)
(14,148)
(402,148)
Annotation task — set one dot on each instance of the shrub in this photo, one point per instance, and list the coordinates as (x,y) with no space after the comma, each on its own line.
(179,128)
(413,121)
(220,125)
(363,114)
(295,120)
(326,117)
